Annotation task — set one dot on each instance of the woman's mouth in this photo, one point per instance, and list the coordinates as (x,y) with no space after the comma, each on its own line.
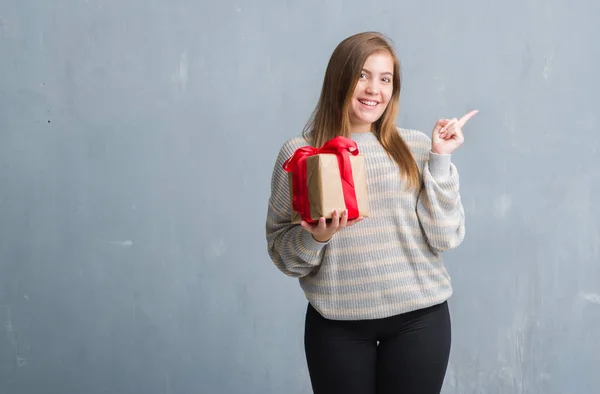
(368,103)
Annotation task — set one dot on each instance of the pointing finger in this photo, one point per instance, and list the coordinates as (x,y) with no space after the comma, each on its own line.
(466,118)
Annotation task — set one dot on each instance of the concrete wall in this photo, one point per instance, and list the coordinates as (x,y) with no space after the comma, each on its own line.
(137,143)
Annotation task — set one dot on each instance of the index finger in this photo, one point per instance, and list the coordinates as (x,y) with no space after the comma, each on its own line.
(465,118)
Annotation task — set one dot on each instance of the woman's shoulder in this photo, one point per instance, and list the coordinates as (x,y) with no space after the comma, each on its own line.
(290,145)
(415,139)
(296,141)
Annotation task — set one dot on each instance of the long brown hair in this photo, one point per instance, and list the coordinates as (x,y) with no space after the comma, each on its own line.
(331,115)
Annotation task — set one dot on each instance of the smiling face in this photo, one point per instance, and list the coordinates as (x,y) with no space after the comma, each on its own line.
(372,93)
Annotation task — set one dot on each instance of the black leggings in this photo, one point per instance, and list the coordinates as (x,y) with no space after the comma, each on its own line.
(411,357)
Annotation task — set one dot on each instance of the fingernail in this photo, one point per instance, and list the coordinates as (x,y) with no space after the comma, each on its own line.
(346,212)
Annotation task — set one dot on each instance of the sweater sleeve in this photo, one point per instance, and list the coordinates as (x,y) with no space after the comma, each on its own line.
(439,207)
(292,249)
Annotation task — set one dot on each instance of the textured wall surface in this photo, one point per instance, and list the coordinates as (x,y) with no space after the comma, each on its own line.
(137,144)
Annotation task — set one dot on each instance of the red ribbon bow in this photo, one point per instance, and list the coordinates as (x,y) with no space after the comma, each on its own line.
(340,146)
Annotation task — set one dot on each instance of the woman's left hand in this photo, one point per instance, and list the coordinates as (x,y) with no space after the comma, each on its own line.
(448,135)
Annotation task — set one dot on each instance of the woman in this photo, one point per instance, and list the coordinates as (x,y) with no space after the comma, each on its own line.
(377,319)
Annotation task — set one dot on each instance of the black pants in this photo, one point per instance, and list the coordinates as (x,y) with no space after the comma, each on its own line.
(404,354)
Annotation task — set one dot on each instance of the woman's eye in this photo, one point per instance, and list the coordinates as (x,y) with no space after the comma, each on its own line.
(387,80)
(363,75)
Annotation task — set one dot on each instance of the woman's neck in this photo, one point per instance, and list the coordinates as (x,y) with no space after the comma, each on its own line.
(361,128)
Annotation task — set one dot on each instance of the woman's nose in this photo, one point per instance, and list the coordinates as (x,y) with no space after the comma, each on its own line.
(373,87)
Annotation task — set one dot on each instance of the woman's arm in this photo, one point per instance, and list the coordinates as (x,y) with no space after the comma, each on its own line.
(292,249)
(439,207)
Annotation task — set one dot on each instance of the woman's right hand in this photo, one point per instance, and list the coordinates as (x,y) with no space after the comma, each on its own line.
(323,231)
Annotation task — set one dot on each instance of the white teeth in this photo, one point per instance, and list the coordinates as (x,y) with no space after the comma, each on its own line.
(369,103)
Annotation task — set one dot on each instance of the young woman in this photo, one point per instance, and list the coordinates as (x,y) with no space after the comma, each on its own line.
(377,318)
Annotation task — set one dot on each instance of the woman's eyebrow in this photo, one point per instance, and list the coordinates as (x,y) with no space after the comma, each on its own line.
(384,73)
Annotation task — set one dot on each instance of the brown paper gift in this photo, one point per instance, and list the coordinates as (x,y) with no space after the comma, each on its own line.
(324,182)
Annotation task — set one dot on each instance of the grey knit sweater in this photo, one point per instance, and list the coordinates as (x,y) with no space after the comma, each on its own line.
(389,263)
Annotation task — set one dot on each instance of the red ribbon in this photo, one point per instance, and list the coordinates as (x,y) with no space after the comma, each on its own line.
(340,146)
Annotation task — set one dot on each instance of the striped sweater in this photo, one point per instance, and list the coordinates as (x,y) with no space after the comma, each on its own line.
(387,264)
